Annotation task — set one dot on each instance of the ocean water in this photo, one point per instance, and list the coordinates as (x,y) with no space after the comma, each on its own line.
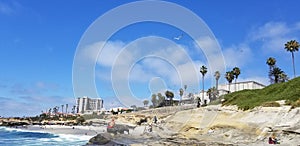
(20,137)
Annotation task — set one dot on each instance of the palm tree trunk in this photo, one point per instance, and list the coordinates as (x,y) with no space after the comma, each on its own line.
(293,65)
(67,108)
(270,77)
(228,87)
(202,88)
(235,85)
(217,84)
(180,100)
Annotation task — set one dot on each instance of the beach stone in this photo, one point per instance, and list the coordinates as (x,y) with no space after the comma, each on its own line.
(98,140)
(120,129)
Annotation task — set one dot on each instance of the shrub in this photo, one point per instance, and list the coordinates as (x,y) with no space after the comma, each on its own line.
(288,102)
(80,120)
(296,103)
(271,104)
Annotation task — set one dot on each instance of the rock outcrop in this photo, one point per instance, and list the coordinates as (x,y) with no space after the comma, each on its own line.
(99,139)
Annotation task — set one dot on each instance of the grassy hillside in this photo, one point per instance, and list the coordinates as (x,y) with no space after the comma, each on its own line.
(248,99)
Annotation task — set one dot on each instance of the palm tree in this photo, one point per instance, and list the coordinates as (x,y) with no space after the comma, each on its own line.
(217,77)
(161,100)
(73,109)
(181,94)
(49,112)
(271,62)
(67,108)
(209,93)
(292,46)
(214,93)
(57,109)
(62,108)
(229,77)
(170,95)
(54,111)
(283,77)
(146,102)
(203,71)
(236,72)
(276,73)
(154,100)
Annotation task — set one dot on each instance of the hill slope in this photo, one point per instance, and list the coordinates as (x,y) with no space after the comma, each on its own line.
(248,99)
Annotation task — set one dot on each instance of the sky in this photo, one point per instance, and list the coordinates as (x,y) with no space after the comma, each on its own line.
(50,50)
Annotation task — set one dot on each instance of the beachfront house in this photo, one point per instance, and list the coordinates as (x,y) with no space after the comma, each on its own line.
(250,85)
(222,90)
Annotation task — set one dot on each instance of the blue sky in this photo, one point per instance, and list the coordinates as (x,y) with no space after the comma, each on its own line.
(38,42)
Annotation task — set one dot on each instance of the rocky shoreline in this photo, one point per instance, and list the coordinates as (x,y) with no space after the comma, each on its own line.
(212,125)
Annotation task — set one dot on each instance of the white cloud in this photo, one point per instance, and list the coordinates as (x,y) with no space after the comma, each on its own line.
(105,56)
(147,60)
(237,56)
(273,35)
(109,53)
(270,30)
(139,73)
(158,66)
(46,86)
(10,7)
(212,51)
(208,45)
(5,8)
(188,73)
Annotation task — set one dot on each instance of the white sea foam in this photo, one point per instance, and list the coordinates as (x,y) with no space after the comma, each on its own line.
(53,139)
(74,137)
(13,129)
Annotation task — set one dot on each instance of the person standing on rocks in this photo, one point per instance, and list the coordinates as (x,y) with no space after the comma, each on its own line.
(111,124)
(155,119)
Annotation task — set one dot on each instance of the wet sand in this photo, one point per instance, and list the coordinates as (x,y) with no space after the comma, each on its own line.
(73,130)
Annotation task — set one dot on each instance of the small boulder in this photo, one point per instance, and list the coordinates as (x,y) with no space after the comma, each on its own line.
(98,140)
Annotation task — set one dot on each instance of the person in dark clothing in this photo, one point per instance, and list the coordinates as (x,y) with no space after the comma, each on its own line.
(154,119)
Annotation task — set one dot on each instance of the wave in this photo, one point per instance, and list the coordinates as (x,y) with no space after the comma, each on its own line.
(70,137)
(13,136)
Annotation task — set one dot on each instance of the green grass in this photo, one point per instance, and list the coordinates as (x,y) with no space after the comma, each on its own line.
(248,99)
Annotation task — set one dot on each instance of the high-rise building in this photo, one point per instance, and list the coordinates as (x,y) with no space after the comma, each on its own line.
(86,105)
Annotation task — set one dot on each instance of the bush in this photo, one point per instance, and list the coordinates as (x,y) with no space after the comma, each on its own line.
(296,103)
(271,104)
(288,102)
(80,120)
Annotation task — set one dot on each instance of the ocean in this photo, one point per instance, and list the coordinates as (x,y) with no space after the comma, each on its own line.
(20,137)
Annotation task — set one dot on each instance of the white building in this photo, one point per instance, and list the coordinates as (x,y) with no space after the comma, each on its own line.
(192,98)
(224,89)
(86,105)
(250,85)
(202,97)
